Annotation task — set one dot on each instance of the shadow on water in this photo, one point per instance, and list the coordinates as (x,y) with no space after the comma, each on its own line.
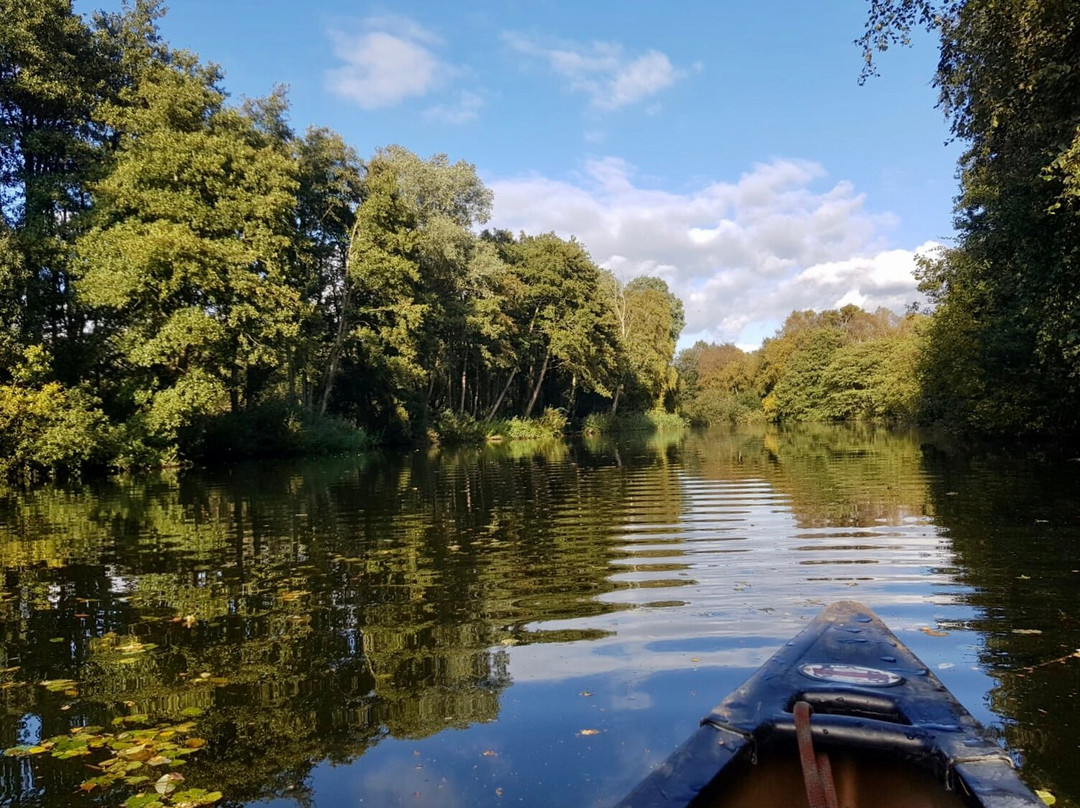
(540,621)
(1014,524)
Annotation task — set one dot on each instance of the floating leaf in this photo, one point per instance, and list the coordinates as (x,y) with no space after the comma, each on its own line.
(589,732)
(1045,796)
(931,632)
(191,712)
(193,797)
(166,784)
(142,801)
(59,685)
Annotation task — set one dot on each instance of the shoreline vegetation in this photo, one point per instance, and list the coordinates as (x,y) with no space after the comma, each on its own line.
(184,280)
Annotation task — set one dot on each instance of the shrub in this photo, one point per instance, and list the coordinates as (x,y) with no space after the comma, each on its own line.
(276,429)
(52,430)
(652,421)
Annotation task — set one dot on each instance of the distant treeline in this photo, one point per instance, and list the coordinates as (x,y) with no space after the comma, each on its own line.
(181,278)
(828,366)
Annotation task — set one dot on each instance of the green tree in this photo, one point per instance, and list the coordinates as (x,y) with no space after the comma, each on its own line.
(330,177)
(52,76)
(569,325)
(1003,353)
(186,258)
(650,319)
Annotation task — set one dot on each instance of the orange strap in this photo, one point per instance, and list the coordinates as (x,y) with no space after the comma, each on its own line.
(817,772)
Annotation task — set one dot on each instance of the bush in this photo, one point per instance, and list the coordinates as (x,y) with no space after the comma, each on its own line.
(276,429)
(716,407)
(652,421)
(52,430)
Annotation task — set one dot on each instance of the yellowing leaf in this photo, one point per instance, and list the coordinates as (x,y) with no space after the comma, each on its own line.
(1045,796)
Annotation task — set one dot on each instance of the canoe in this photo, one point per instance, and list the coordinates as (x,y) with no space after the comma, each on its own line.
(843,715)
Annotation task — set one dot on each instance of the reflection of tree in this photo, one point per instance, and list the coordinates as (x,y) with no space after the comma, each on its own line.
(308,611)
(877,480)
(1014,524)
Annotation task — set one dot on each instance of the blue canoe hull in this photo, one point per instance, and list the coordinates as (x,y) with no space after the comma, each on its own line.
(870,695)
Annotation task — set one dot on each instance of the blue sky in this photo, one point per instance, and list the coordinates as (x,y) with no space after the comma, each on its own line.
(725,146)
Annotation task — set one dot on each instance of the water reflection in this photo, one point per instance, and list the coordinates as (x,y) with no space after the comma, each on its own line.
(530,622)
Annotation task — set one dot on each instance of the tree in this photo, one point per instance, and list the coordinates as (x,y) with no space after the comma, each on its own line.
(330,177)
(1004,348)
(569,324)
(186,258)
(650,320)
(52,76)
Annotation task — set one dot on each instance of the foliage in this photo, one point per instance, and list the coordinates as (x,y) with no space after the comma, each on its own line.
(650,319)
(128,756)
(277,428)
(844,364)
(50,430)
(651,421)
(1003,352)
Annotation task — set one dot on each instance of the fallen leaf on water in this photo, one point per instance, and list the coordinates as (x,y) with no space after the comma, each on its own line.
(933,632)
(490,753)
(1023,577)
(167,783)
(1045,796)
(589,732)
(585,693)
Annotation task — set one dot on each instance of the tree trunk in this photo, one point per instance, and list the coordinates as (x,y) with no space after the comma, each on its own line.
(615,400)
(495,407)
(539,382)
(464,367)
(335,350)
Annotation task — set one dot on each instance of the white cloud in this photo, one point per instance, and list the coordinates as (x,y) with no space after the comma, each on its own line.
(602,70)
(465,109)
(742,255)
(388,60)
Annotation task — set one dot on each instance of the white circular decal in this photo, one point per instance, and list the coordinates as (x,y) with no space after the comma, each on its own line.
(850,674)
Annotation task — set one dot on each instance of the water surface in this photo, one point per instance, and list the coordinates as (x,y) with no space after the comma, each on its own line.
(532,624)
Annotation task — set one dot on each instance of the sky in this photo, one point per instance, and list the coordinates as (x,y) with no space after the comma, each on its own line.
(725,146)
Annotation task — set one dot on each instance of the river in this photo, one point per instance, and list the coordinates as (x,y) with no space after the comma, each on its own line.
(528,623)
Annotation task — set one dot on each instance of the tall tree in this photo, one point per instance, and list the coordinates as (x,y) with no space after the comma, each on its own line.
(650,321)
(186,258)
(52,75)
(330,177)
(567,322)
(1004,347)
(409,260)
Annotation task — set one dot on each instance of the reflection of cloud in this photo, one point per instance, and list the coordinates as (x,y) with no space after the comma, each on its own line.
(602,70)
(389,60)
(742,255)
(388,784)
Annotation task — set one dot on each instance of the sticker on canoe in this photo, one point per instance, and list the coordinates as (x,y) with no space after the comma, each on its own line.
(850,674)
